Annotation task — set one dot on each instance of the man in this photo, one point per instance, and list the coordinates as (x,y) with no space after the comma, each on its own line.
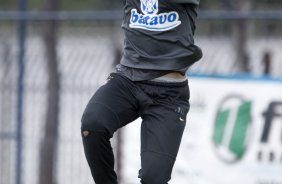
(149,83)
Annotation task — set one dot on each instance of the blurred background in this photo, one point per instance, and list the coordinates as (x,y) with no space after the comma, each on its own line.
(54,54)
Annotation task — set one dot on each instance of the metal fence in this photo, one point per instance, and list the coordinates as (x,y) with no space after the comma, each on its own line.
(88,47)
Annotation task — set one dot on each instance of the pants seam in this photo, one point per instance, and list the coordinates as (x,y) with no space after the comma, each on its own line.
(109,110)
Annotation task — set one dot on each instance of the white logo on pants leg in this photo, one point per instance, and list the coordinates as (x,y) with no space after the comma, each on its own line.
(181,119)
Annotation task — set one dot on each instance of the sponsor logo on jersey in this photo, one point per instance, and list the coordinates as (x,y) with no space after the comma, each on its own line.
(150,20)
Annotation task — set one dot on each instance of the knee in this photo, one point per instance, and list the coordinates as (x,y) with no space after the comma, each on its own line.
(92,139)
(91,121)
(98,118)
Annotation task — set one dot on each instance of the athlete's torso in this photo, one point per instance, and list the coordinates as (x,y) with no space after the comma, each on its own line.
(159,35)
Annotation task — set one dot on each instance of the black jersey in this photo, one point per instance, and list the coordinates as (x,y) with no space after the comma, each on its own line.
(159,35)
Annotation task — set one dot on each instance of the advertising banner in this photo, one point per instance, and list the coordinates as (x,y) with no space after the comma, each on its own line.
(233,134)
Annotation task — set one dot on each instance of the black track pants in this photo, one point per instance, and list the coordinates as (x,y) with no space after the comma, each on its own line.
(163,108)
